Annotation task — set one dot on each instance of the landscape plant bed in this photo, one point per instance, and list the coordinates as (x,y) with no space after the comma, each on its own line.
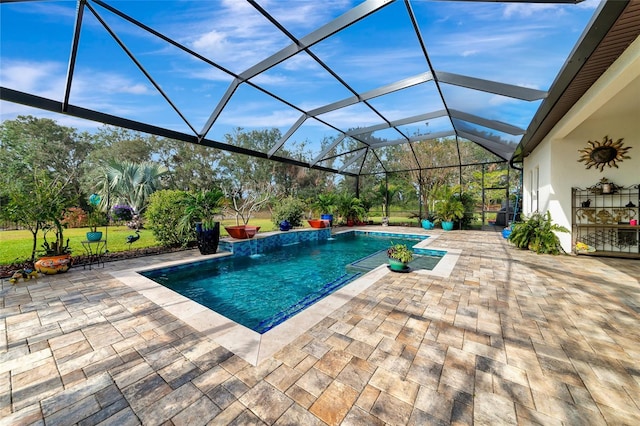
(7,271)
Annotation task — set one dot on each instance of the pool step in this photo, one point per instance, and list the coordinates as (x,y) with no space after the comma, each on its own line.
(422,259)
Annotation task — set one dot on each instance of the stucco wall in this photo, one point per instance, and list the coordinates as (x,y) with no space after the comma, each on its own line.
(611,107)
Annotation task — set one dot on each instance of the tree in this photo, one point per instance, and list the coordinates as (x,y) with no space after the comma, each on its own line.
(130,183)
(29,144)
(191,167)
(248,200)
(39,204)
(114,143)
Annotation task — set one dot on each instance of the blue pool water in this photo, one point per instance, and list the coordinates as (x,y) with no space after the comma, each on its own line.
(260,292)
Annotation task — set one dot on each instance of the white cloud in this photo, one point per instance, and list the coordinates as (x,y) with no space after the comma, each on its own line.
(54,11)
(93,89)
(307,15)
(254,115)
(235,34)
(589,4)
(46,79)
(95,83)
(529,9)
(10,111)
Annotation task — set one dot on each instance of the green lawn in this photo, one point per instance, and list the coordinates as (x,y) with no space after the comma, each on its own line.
(15,246)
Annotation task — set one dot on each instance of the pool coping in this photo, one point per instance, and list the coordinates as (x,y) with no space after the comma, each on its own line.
(249,345)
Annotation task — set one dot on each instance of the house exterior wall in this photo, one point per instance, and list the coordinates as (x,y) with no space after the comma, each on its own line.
(610,107)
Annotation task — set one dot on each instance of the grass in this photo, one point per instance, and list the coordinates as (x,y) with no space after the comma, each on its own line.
(16,246)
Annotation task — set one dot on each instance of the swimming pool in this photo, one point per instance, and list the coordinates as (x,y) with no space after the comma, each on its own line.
(262,291)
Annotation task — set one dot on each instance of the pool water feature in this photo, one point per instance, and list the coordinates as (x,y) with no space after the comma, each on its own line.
(261,292)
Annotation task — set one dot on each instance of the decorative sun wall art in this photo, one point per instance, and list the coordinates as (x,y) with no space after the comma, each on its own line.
(605,153)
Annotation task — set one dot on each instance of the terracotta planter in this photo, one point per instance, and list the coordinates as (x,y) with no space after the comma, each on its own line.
(242,232)
(317,223)
(50,265)
(251,231)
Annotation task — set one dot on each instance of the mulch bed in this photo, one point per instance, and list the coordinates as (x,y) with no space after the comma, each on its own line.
(7,271)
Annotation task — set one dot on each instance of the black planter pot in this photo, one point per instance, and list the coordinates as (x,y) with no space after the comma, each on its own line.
(208,239)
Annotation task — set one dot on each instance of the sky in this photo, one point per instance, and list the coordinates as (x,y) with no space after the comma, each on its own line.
(519,44)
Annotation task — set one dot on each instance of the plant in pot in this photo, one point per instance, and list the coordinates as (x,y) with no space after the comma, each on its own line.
(538,234)
(326,204)
(349,208)
(53,200)
(429,221)
(200,210)
(449,210)
(288,213)
(95,218)
(399,257)
(57,254)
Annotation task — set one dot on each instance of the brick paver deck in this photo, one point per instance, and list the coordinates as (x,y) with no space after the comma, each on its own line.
(510,337)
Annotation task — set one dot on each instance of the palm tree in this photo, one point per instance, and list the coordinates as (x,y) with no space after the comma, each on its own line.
(124,182)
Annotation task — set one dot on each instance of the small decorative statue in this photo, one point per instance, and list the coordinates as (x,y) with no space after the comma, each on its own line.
(586,203)
(25,274)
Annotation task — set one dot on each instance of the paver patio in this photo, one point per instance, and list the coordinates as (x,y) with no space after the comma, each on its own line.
(510,337)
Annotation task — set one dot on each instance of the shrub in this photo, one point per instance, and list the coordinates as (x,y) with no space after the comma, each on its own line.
(291,209)
(75,217)
(537,234)
(469,203)
(163,215)
(122,213)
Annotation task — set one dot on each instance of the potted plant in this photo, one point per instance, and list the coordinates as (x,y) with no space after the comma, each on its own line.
(200,210)
(57,254)
(326,204)
(288,213)
(350,208)
(537,234)
(95,218)
(449,210)
(429,221)
(399,257)
(51,211)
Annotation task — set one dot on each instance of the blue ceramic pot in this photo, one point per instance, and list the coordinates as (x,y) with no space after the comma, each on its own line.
(447,225)
(285,225)
(328,217)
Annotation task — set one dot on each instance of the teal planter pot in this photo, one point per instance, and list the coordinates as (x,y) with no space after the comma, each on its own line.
(94,236)
(396,265)
(447,226)
(427,224)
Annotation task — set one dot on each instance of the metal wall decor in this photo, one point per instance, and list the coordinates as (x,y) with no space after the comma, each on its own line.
(605,153)
(603,187)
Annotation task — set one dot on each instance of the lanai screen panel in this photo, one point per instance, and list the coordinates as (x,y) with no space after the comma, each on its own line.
(348,86)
